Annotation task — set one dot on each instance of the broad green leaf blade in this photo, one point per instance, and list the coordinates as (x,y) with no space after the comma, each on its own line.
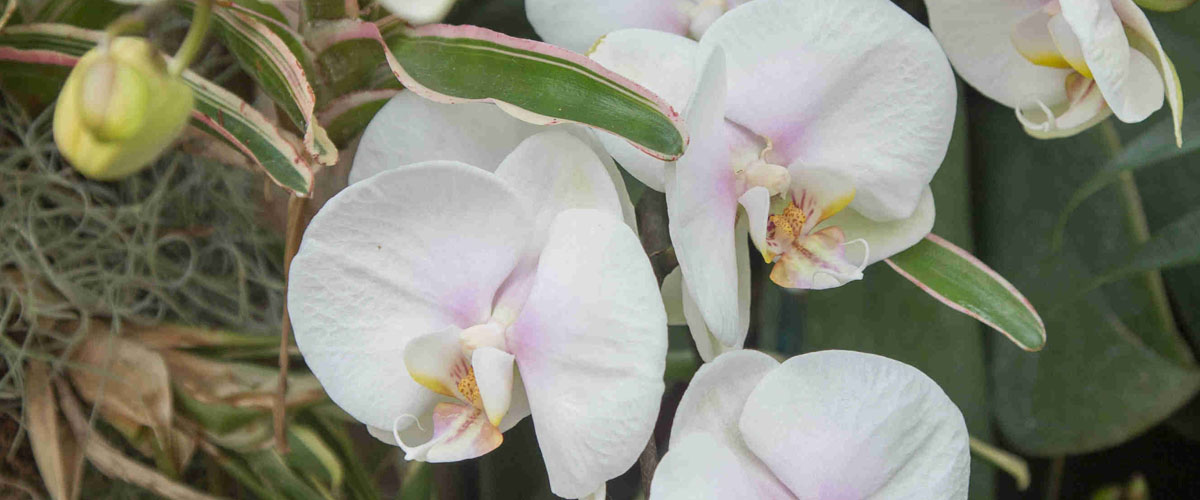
(348,115)
(882,315)
(535,82)
(1100,382)
(348,64)
(1176,244)
(959,280)
(264,55)
(1153,147)
(90,14)
(48,51)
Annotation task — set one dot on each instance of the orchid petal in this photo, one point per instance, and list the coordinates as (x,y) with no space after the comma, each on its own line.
(698,466)
(494,375)
(757,203)
(977,37)
(672,295)
(820,193)
(884,239)
(411,129)
(460,432)
(702,204)
(518,407)
(1068,45)
(591,138)
(577,24)
(591,348)
(396,256)
(1105,47)
(661,62)
(555,171)
(712,407)
(838,424)
(707,345)
(1031,37)
(876,102)
(1142,38)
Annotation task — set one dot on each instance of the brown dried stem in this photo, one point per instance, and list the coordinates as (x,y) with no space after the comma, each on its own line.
(296,222)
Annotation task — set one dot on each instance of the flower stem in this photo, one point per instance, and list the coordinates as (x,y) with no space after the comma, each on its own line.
(194,38)
(1168,342)
(1054,482)
(1014,465)
(297,206)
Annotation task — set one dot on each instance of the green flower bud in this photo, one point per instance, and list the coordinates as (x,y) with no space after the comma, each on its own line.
(119,109)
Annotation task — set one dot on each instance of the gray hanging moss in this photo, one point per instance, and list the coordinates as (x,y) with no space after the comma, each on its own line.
(181,241)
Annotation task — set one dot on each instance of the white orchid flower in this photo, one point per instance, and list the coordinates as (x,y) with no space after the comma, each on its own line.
(830,424)
(440,303)
(1063,65)
(826,128)
(577,24)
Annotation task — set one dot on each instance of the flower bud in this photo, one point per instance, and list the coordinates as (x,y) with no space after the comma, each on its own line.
(119,109)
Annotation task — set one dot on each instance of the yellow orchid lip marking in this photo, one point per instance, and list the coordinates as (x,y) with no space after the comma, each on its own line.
(469,388)
(790,223)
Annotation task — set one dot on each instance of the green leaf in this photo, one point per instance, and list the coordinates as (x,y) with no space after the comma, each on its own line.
(1175,245)
(310,454)
(1099,382)
(90,14)
(317,10)
(347,116)
(264,55)
(535,82)
(1164,5)
(359,483)
(959,280)
(348,63)
(883,314)
(1153,147)
(42,52)
(271,468)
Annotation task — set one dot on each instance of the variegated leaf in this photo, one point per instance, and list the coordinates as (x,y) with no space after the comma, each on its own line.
(532,81)
(280,73)
(961,281)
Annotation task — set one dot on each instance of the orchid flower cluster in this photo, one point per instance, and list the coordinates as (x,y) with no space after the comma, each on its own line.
(484,266)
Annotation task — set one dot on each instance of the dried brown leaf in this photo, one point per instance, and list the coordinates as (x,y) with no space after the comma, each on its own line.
(55,451)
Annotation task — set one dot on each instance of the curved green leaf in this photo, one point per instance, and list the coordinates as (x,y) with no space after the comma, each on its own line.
(961,281)
(49,50)
(1154,146)
(347,116)
(280,73)
(535,82)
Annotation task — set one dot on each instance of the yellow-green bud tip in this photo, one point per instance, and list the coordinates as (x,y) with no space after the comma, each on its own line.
(119,109)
